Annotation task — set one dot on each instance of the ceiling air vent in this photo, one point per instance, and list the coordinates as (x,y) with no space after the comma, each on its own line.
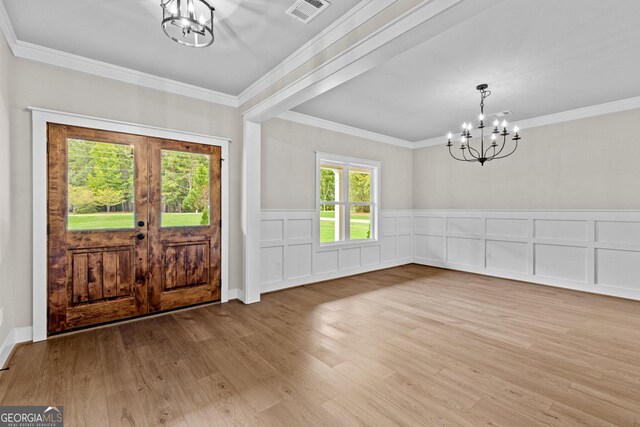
(306,10)
(504,113)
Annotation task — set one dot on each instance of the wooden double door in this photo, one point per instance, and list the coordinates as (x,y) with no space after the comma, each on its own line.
(134,225)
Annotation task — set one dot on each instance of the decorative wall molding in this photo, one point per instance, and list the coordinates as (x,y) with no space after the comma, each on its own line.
(551,119)
(304,119)
(289,257)
(592,251)
(15,337)
(115,72)
(7,28)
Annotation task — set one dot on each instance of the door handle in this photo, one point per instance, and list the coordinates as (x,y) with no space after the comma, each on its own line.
(140,223)
(139,236)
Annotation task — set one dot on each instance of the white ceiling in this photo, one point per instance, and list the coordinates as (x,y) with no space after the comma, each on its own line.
(252,36)
(539,57)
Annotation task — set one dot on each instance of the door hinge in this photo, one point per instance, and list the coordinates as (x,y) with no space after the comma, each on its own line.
(48,229)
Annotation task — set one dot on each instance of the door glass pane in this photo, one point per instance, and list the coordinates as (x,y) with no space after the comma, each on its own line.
(359,185)
(185,189)
(360,222)
(331,223)
(331,183)
(100,186)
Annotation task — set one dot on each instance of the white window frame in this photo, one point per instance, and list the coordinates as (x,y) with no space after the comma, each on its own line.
(347,162)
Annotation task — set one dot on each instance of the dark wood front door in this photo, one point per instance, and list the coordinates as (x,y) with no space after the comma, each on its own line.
(184,259)
(133,225)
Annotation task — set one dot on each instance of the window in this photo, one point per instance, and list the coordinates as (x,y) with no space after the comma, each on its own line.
(347,197)
(185,189)
(100,185)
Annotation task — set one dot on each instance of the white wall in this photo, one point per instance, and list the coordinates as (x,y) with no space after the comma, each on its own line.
(289,161)
(6,282)
(39,85)
(582,164)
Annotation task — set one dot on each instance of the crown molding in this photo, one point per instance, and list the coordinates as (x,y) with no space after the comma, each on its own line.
(359,14)
(351,20)
(59,58)
(115,72)
(317,122)
(430,142)
(552,119)
(7,29)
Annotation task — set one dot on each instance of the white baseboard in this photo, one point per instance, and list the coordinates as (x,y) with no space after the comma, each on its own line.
(16,336)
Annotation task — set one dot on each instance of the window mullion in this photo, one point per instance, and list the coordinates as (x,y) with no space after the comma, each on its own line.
(347,197)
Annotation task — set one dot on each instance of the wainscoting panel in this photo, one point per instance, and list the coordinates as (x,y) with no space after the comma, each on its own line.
(565,230)
(292,256)
(388,248)
(271,264)
(300,260)
(594,251)
(618,268)
(464,251)
(464,226)
(512,257)
(618,232)
(561,262)
(326,262)
(429,247)
(506,227)
(272,230)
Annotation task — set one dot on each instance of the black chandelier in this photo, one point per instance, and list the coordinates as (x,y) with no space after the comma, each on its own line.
(188,22)
(492,151)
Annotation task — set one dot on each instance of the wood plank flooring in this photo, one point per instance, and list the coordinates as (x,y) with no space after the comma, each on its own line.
(411,345)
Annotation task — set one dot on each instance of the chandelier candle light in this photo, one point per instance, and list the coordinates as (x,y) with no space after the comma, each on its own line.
(487,151)
(188,22)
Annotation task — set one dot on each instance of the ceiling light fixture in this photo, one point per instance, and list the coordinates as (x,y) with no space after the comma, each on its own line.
(492,151)
(188,22)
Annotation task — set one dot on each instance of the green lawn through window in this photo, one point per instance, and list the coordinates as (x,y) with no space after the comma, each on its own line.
(125,220)
(360,225)
(359,229)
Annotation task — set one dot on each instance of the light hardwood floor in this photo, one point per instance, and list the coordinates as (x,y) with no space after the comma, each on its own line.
(407,346)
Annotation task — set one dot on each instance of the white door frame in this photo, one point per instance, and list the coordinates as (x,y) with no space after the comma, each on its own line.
(40,118)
